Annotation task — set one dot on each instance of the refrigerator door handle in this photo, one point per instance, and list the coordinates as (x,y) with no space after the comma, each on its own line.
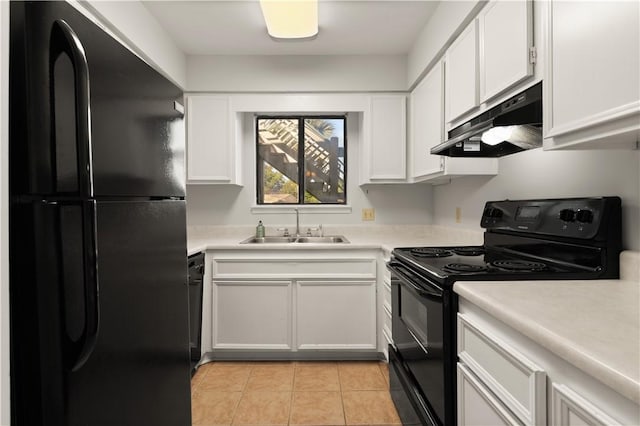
(89,337)
(65,40)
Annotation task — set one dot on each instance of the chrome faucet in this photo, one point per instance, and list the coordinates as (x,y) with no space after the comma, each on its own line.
(297,222)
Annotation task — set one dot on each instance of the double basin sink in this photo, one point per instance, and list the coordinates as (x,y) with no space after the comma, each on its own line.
(331,239)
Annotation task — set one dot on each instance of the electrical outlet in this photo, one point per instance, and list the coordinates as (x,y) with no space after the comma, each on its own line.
(368,214)
(458,215)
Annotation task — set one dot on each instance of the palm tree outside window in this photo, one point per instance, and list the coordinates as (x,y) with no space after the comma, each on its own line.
(301,160)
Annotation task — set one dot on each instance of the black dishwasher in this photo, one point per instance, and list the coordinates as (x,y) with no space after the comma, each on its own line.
(196,273)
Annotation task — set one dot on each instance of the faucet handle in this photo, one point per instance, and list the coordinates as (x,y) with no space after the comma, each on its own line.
(285,231)
(318,228)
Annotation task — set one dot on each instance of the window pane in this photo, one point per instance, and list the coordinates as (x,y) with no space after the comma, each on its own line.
(278,161)
(324,162)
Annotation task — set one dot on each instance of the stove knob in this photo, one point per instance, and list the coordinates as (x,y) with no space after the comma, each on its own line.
(567,215)
(493,212)
(584,216)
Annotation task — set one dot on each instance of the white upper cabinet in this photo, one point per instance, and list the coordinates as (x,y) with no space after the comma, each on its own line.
(489,59)
(506,38)
(384,158)
(427,130)
(462,64)
(211,141)
(592,83)
(427,124)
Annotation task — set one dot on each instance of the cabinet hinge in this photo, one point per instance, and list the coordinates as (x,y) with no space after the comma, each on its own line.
(533,55)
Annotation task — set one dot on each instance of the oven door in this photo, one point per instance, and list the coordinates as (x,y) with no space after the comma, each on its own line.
(418,334)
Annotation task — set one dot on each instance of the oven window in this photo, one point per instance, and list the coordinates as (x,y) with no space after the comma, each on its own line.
(416,318)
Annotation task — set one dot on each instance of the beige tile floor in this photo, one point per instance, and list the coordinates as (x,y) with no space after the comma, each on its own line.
(292,393)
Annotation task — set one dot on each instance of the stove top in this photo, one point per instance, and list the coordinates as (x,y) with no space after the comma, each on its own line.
(477,262)
(575,238)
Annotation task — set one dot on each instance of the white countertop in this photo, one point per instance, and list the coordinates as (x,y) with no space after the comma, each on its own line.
(385,237)
(592,324)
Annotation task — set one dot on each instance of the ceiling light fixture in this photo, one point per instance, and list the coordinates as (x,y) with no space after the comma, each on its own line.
(291,19)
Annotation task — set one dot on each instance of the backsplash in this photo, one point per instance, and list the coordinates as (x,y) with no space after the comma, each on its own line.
(548,174)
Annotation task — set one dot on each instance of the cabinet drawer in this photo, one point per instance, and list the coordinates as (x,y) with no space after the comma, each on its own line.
(294,268)
(514,379)
(386,309)
(386,292)
(477,405)
(386,332)
(569,408)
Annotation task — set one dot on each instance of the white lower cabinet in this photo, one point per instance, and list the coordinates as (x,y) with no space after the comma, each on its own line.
(336,315)
(506,378)
(477,405)
(294,300)
(517,381)
(252,314)
(570,409)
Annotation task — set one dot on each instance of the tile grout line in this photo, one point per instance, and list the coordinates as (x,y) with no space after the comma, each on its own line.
(242,392)
(293,382)
(344,412)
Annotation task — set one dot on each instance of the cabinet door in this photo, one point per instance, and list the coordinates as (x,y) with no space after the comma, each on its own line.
(210,147)
(427,123)
(252,315)
(506,34)
(387,148)
(339,315)
(462,73)
(570,409)
(515,379)
(477,405)
(592,89)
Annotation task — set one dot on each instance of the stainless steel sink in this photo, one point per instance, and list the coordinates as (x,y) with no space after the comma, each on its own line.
(333,239)
(269,240)
(330,239)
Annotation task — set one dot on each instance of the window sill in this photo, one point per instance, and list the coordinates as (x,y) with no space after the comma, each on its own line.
(305,209)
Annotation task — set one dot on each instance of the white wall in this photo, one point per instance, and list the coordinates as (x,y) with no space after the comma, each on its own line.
(548,174)
(228,205)
(132,23)
(446,23)
(4,214)
(280,73)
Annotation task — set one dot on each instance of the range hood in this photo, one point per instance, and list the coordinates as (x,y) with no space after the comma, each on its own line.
(512,126)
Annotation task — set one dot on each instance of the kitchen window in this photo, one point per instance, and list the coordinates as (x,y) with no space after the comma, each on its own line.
(301,160)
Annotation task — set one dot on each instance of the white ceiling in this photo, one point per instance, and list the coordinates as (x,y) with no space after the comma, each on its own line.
(347,27)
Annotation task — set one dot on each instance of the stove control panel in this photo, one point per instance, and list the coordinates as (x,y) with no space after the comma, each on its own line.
(582,218)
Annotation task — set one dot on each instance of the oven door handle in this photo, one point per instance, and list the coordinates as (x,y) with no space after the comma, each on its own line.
(404,277)
(416,338)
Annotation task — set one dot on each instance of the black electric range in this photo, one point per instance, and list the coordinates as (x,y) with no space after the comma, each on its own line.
(577,238)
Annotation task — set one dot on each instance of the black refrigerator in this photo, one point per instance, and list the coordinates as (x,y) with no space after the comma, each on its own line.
(98,262)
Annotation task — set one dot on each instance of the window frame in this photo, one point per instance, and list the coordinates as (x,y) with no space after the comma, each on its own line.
(301,144)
